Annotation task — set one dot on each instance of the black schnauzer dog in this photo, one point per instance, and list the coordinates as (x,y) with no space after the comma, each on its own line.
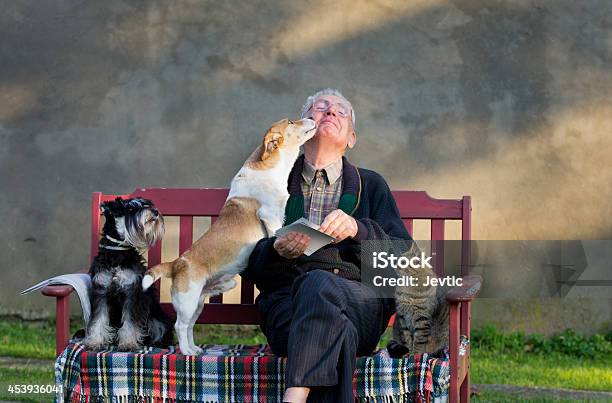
(122,313)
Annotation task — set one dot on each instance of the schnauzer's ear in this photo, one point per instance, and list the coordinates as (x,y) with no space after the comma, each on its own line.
(105,208)
(272,141)
(114,207)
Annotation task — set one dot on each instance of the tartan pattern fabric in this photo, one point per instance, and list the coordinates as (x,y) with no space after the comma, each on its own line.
(321,190)
(236,373)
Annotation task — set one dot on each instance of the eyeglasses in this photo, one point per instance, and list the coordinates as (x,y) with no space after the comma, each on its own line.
(322,105)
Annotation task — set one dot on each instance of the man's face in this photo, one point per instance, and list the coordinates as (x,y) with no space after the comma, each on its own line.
(333,117)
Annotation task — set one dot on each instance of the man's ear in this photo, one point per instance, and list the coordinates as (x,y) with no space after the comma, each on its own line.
(352,139)
(272,141)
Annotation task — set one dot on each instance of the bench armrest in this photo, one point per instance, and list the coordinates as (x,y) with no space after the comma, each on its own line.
(467,292)
(57,290)
(61,292)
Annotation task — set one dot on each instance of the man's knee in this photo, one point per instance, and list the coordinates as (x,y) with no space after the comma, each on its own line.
(313,282)
(315,286)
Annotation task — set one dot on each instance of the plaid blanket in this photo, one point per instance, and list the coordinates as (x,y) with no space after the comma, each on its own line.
(236,373)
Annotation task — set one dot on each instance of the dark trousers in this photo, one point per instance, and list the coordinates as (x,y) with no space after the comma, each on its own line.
(321,324)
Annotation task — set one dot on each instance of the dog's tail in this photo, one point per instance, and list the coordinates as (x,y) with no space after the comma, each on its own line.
(155,273)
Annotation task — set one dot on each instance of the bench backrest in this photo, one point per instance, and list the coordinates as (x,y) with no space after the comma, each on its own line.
(190,203)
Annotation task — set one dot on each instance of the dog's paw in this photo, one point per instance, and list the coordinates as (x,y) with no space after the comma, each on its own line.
(128,346)
(91,344)
(130,337)
(191,350)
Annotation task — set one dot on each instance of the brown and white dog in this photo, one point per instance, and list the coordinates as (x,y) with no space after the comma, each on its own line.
(255,208)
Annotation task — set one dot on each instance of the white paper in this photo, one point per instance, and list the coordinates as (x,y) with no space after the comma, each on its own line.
(81,282)
(317,238)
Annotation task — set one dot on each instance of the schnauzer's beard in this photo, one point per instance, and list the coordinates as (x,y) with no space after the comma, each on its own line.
(141,230)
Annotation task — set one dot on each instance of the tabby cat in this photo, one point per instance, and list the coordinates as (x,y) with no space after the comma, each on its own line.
(421,321)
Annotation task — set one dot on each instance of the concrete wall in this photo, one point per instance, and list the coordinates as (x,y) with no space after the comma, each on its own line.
(507,101)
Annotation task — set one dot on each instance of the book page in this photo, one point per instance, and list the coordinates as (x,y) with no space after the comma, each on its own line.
(317,238)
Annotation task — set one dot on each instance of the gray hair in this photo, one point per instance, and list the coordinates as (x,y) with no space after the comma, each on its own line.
(326,91)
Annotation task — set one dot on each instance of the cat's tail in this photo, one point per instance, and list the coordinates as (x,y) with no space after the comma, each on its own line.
(155,273)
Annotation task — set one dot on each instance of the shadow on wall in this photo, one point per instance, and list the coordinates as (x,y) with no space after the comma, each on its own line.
(505,101)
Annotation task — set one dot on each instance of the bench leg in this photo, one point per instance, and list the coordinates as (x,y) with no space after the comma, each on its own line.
(465,330)
(62,323)
(453,341)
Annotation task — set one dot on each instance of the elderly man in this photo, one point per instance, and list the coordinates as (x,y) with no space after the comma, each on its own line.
(313,308)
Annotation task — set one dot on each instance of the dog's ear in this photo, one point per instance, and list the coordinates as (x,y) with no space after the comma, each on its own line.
(104,208)
(108,208)
(272,141)
(113,207)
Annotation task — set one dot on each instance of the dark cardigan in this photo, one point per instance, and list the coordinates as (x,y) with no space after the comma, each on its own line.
(366,196)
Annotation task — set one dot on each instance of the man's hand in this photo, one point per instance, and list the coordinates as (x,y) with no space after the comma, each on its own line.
(339,225)
(291,245)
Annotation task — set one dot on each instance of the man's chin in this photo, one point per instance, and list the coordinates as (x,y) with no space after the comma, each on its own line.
(324,140)
(328,126)
(326,131)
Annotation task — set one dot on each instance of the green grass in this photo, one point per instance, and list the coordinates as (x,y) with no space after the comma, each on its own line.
(563,360)
(568,342)
(516,365)
(553,370)
(25,376)
(27,339)
(495,397)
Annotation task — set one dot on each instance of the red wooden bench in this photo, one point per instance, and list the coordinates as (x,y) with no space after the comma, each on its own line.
(190,203)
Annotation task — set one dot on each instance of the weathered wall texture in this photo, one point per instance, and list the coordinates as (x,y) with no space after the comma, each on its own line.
(507,101)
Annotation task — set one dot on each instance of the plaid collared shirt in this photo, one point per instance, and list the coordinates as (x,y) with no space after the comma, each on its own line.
(322,190)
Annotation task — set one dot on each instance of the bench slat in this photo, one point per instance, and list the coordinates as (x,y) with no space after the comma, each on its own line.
(408,224)
(185,202)
(155,255)
(185,233)
(247,292)
(466,234)
(96,200)
(437,246)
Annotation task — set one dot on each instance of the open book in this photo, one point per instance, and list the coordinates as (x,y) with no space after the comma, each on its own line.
(317,238)
(81,282)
